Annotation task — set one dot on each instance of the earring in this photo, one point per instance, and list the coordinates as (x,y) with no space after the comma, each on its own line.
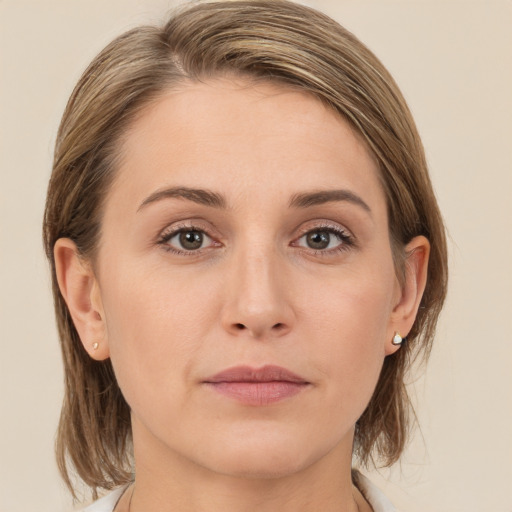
(397,339)
(95,345)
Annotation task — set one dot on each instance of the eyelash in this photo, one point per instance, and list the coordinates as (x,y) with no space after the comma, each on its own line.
(346,240)
(170,233)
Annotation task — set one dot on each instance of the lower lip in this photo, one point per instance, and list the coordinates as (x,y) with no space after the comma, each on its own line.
(258,393)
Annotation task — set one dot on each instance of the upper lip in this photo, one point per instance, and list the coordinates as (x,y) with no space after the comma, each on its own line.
(268,373)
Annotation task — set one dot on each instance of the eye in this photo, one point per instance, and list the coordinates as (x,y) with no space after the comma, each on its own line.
(187,240)
(324,239)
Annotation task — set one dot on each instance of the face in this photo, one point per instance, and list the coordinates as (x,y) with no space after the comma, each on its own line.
(246,230)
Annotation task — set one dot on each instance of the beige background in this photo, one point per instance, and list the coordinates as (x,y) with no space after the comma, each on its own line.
(453,62)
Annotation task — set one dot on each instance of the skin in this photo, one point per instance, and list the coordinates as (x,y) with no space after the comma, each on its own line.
(255,293)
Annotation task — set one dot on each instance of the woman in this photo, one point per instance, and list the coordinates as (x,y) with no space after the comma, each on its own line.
(242,234)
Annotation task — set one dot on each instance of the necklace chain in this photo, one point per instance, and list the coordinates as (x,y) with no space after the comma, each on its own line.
(131,496)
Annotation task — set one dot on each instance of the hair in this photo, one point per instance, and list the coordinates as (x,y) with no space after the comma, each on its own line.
(268,40)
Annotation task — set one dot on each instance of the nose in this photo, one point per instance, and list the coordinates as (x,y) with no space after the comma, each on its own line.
(257,296)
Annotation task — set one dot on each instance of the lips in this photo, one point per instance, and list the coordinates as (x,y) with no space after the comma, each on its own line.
(248,374)
(257,386)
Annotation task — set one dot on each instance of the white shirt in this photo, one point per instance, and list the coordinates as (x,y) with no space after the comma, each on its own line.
(374,496)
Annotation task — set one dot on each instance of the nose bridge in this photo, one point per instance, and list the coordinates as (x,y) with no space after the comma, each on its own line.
(257,300)
(257,269)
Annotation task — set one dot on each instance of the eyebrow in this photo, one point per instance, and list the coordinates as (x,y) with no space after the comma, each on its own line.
(200,196)
(305,200)
(215,200)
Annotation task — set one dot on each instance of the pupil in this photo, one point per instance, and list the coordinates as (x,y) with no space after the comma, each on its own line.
(191,239)
(318,239)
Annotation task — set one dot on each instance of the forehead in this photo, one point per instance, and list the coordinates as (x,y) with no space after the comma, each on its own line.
(238,135)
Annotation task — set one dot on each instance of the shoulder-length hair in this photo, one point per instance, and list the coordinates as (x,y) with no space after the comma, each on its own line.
(269,40)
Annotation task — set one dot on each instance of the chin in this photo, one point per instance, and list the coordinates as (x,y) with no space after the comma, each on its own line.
(260,466)
(262,457)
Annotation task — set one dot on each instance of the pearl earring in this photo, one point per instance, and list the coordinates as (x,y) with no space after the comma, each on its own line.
(397,339)
(95,345)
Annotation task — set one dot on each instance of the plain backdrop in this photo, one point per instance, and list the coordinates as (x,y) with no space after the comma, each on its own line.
(452,60)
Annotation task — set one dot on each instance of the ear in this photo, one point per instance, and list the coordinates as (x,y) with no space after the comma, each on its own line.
(410,292)
(79,287)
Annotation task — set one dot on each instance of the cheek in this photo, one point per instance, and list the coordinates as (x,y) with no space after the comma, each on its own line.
(156,322)
(349,321)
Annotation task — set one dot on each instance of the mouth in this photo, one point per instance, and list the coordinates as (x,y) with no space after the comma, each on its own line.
(257,386)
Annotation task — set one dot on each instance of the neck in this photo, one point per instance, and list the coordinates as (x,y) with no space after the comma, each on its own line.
(166,481)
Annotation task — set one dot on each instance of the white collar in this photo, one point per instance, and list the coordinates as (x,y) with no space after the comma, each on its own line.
(373,495)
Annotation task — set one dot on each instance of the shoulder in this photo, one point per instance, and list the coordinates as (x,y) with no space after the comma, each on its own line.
(107,503)
(373,495)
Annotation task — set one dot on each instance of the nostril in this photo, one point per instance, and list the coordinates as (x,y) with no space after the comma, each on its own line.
(277,328)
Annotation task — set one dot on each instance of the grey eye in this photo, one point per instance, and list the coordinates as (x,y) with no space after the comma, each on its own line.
(189,240)
(320,239)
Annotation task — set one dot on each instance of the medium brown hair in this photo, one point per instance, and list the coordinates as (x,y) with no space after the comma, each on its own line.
(270,40)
